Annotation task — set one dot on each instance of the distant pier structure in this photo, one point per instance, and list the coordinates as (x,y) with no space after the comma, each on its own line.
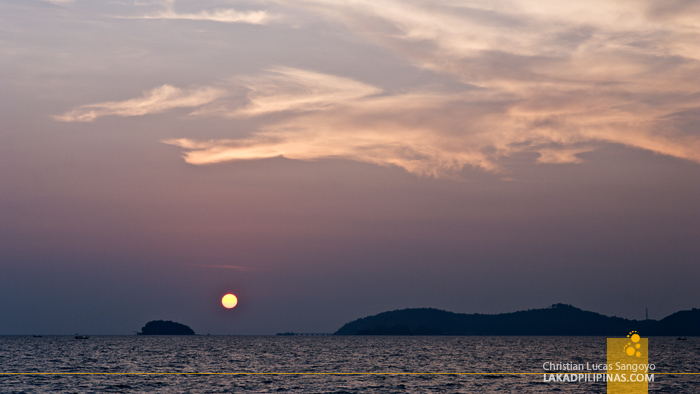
(308,334)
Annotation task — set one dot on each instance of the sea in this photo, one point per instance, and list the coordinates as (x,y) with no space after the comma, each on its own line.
(322,364)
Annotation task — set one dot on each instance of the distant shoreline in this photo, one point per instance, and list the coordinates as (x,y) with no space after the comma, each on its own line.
(326,335)
(557,320)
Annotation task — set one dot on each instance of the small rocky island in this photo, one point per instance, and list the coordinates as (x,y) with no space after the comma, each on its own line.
(165,327)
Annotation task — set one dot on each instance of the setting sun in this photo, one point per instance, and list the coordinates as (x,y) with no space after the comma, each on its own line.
(229,301)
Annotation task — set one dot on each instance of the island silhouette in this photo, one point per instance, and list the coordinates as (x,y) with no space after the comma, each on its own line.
(558,319)
(165,327)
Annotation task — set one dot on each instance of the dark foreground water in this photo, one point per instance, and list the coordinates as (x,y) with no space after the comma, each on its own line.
(279,354)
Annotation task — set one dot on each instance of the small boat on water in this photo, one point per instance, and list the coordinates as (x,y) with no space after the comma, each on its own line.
(682,338)
(36,336)
(81,336)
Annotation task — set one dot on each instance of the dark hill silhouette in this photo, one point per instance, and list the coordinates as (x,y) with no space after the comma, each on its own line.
(559,319)
(165,327)
(679,324)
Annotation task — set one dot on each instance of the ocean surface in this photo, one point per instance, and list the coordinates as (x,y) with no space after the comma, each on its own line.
(172,356)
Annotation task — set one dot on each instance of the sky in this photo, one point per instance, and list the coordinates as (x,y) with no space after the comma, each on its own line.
(328,160)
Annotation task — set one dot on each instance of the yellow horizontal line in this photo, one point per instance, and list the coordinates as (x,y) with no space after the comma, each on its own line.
(269,373)
(318,373)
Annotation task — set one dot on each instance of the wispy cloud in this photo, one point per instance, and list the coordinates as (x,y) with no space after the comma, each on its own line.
(227,15)
(59,2)
(495,41)
(556,78)
(358,124)
(157,100)
(434,133)
(288,89)
(219,15)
